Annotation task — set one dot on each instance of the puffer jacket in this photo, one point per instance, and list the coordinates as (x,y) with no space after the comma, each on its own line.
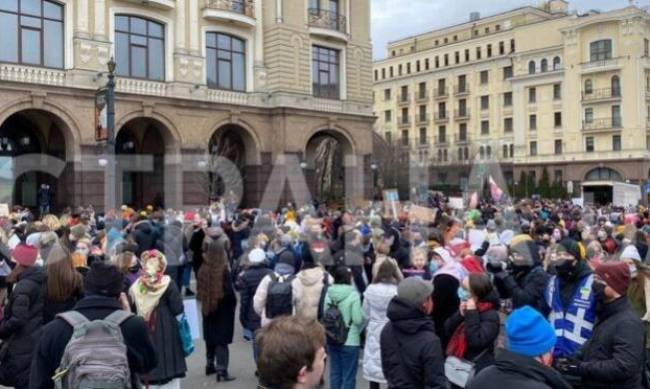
(348,301)
(375,304)
(247,283)
(307,289)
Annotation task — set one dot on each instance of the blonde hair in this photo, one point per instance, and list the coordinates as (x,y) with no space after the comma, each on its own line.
(51,222)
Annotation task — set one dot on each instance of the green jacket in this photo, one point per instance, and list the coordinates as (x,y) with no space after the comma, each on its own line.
(349,303)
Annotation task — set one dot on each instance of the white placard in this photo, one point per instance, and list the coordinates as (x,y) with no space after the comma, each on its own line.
(579,201)
(192,313)
(456,203)
(4,209)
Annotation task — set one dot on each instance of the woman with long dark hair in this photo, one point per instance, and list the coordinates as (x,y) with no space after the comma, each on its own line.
(217,296)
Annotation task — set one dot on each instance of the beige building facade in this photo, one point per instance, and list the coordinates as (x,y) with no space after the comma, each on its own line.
(250,80)
(531,88)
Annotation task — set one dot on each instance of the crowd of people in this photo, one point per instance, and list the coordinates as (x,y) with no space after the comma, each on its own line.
(538,294)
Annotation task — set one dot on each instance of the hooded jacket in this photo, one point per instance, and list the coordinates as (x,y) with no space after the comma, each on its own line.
(375,304)
(348,301)
(514,371)
(307,290)
(525,289)
(145,236)
(260,296)
(411,356)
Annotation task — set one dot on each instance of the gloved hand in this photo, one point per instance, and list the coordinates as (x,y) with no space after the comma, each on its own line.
(495,268)
(567,367)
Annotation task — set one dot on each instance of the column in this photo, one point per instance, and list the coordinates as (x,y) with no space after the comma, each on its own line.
(194,26)
(181,15)
(100,19)
(81,28)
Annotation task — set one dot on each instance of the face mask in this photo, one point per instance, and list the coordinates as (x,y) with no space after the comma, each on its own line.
(564,268)
(598,290)
(433,266)
(463,295)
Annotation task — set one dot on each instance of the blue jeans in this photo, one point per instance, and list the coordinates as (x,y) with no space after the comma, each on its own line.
(343,362)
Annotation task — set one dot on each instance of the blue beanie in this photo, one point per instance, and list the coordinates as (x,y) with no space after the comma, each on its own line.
(529,333)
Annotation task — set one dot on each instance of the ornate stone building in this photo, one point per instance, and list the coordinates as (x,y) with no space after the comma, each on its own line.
(251,80)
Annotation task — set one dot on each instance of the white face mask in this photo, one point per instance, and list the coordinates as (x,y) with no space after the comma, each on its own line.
(633,270)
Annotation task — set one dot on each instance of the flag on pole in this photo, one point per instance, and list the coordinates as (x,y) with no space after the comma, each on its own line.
(495,191)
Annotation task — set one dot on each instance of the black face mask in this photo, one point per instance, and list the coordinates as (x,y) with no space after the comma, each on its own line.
(520,269)
(565,269)
(598,290)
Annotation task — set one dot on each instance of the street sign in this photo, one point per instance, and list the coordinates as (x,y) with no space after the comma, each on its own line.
(101,116)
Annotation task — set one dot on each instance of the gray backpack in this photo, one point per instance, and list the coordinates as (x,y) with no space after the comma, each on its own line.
(95,357)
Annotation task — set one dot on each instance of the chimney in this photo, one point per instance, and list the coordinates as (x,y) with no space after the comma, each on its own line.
(474,16)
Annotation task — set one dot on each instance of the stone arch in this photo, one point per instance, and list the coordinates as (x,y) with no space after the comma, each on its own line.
(172,137)
(252,142)
(338,132)
(70,126)
(603,173)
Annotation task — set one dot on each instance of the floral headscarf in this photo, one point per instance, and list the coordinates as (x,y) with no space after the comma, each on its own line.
(152,283)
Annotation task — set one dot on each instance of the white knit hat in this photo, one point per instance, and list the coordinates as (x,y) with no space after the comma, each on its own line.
(630,252)
(256,256)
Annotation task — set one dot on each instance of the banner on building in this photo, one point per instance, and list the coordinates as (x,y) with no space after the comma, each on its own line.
(101,116)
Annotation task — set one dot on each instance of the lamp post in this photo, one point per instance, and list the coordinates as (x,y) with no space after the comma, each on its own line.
(111,188)
(374,167)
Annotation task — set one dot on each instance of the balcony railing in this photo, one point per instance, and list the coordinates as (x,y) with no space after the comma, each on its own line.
(461,90)
(244,7)
(423,120)
(441,117)
(404,100)
(441,139)
(461,139)
(461,114)
(323,18)
(421,96)
(404,121)
(422,141)
(441,93)
(604,93)
(601,63)
(602,124)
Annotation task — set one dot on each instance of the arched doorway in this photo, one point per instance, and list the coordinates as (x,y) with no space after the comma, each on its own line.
(33,132)
(143,137)
(225,180)
(325,157)
(603,174)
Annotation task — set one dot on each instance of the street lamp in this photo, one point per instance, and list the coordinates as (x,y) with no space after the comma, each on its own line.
(374,166)
(303,165)
(111,182)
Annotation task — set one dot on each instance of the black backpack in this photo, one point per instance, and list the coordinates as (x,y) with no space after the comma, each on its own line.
(279,298)
(335,327)
(323,293)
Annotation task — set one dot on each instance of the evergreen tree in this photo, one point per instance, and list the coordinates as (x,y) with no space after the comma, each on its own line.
(521,188)
(545,184)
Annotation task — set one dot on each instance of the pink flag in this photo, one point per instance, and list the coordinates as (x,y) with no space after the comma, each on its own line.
(495,191)
(473,200)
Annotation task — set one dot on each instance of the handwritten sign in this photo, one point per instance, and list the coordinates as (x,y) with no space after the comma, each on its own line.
(423,214)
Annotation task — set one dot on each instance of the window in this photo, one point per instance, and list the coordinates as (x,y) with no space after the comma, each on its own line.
(442,110)
(507,99)
(426,64)
(485,127)
(392,73)
(616,116)
(502,48)
(504,151)
(512,45)
(462,132)
(466,55)
(408,68)
(437,61)
(139,48)
(446,40)
(417,65)
(387,94)
(446,59)
(33,33)
(531,67)
(475,32)
(441,87)
(507,125)
(393,53)
(460,153)
(478,53)
(556,63)
(405,115)
(646,47)
(487,30)
(399,69)
(455,38)
(589,144)
(462,83)
(388,116)
(389,138)
(423,113)
(532,95)
(558,147)
(325,69)
(557,120)
(533,148)
(589,115)
(423,136)
(512,150)
(484,77)
(589,87)
(436,42)
(507,72)
(557,91)
(226,62)
(557,176)
(462,107)
(485,102)
(616,86)
(442,134)
(376,74)
(532,122)
(497,27)
(488,151)
(405,93)
(600,50)
(616,142)
(489,51)
(544,65)
(457,57)
(383,73)
(481,152)
(405,137)
(422,90)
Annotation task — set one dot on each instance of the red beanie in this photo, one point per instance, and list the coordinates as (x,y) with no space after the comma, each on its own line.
(615,274)
(25,255)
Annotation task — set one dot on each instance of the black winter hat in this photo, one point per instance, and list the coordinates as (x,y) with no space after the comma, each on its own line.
(529,250)
(104,279)
(571,247)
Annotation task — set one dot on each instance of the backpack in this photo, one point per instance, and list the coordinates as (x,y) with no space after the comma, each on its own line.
(279,298)
(335,326)
(96,355)
(323,293)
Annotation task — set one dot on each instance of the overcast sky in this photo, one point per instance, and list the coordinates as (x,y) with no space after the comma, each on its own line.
(396,19)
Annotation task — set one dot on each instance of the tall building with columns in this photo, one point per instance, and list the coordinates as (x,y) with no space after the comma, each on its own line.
(253,81)
(533,88)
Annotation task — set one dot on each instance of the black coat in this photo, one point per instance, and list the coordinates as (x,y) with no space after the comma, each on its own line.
(514,371)
(247,284)
(525,289)
(481,331)
(614,356)
(165,335)
(196,246)
(445,303)
(219,326)
(411,356)
(57,334)
(21,326)
(145,236)
(53,308)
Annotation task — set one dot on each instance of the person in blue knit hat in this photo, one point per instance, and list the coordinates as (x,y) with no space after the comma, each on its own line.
(526,361)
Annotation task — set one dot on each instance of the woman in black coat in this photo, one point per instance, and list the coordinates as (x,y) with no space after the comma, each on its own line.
(217,296)
(23,318)
(473,330)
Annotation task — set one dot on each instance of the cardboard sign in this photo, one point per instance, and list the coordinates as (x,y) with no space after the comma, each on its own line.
(4,209)
(456,203)
(422,214)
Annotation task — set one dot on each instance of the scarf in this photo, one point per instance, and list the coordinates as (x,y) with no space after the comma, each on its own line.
(457,346)
(151,285)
